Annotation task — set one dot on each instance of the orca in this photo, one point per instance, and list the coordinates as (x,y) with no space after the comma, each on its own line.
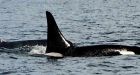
(59,45)
(17,44)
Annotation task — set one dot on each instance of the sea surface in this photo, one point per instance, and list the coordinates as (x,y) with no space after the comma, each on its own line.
(83,22)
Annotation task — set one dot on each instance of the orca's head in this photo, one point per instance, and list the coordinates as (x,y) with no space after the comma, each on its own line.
(56,42)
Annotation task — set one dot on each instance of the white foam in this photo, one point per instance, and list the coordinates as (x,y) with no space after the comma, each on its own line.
(38,50)
(41,51)
(2,40)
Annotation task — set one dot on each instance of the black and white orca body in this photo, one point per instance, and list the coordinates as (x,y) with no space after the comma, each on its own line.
(58,44)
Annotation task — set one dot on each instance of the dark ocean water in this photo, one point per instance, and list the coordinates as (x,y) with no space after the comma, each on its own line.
(84,22)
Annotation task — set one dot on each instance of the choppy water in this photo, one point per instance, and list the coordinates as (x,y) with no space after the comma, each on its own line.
(84,22)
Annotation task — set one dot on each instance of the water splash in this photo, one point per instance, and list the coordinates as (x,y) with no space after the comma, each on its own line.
(37,50)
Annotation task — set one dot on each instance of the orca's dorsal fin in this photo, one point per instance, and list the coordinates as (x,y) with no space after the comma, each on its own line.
(56,42)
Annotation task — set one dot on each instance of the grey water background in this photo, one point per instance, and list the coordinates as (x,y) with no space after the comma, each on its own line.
(84,22)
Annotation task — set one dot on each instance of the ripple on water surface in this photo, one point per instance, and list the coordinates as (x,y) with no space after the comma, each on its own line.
(82,22)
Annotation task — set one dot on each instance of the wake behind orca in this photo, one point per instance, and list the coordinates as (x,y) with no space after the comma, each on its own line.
(59,46)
